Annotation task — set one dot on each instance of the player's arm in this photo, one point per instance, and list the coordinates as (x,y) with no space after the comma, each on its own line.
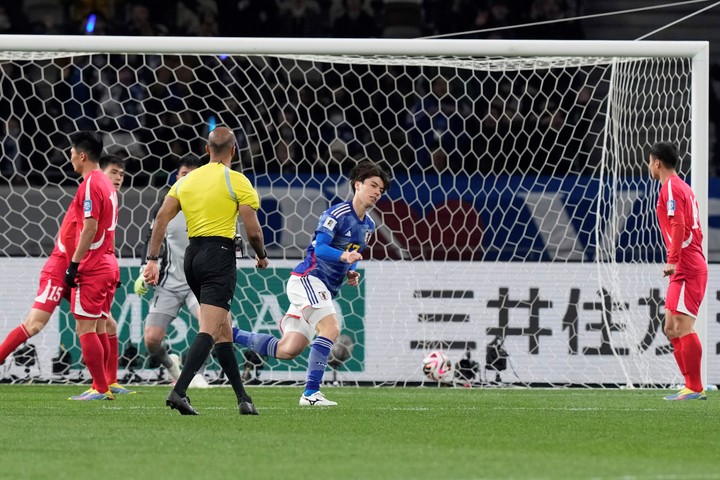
(353,276)
(90,228)
(677,233)
(139,286)
(168,211)
(67,235)
(253,230)
(325,251)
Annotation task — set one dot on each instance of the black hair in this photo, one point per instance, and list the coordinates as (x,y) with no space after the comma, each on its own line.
(91,143)
(366,169)
(667,153)
(190,161)
(108,159)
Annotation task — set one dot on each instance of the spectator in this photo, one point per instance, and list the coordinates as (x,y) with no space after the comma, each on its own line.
(208,23)
(123,103)
(247,18)
(12,17)
(12,163)
(435,119)
(496,15)
(301,18)
(140,22)
(545,10)
(337,158)
(355,22)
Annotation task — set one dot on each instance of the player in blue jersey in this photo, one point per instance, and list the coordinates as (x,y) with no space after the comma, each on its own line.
(343,231)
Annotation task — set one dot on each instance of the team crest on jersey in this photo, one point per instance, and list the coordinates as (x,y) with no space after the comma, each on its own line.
(87,206)
(329,223)
(368,234)
(324,295)
(671,205)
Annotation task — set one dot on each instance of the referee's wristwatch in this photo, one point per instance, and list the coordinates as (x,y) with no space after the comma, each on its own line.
(151,257)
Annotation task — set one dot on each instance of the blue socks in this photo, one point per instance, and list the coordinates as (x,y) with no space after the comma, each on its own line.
(261,343)
(317,361)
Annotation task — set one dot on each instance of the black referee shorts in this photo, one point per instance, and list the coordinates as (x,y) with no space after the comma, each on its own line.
(210,270)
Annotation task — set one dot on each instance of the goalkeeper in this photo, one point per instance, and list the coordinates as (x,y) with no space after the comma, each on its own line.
(343,231)
(172,291)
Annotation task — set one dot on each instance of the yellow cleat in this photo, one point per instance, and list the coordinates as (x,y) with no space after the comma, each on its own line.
(687,394)
(118,389)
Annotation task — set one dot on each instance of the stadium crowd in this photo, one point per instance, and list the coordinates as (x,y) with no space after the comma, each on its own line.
(291,18)
(416,118)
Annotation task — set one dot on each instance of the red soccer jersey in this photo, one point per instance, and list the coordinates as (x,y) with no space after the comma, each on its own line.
(677,211)
(66,240)
(96,197)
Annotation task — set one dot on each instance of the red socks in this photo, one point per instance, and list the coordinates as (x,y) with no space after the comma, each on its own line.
(111,367)
(14,339)
(93,353)
(677,347)
(691,353)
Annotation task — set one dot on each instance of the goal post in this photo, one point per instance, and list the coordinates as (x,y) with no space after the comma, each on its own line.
(520,226)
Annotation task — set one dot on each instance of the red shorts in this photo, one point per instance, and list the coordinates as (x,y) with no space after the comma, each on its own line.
(93,297)
(685,294)
(52,287)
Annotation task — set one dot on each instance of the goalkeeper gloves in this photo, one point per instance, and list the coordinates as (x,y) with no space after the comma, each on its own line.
(140,286)
(71,274)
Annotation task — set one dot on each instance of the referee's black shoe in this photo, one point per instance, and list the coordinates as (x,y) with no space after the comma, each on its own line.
(181,404)
(247,408)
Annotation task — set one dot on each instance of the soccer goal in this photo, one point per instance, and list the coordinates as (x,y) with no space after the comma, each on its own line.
(519,235)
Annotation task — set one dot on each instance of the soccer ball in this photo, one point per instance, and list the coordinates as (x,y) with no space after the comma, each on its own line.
(437,366)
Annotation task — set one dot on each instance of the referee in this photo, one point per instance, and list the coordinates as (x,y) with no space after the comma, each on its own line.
(211,198)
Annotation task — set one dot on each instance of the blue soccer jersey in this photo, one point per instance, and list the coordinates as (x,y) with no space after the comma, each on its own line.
(343,231)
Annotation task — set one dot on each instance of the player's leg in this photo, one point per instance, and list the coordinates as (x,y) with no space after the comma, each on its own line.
(101,329)
(51,291)
(112,360)
(321,316)
(164,308)
(33,324)
(327,332)
(682,305)
(153,335)
(93,354)
(88,304)
(691,350)
(294,339)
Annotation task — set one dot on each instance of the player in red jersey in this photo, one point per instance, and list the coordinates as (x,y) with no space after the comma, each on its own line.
(677,211)
(93,272)
(52,288)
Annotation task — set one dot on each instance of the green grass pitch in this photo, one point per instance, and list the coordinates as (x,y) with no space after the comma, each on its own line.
(375,433)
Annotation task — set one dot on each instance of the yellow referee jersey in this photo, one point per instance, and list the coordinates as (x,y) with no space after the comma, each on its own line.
(209,197)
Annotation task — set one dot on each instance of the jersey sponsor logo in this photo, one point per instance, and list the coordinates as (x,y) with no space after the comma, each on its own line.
(329,223)
(87,206)
(348,233)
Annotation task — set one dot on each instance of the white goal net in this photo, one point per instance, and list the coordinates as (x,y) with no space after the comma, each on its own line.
(519,236)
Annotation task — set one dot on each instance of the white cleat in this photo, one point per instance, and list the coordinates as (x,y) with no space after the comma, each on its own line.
(174,371)
(199,381)
(317,399)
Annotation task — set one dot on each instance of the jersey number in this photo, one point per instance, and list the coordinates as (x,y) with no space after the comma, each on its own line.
(114,201)
(695,212)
